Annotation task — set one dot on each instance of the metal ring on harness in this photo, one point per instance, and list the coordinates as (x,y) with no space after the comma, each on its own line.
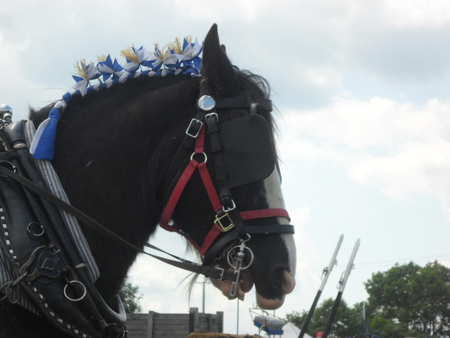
(231,256)
(41,227)
(205,158)
(75,299)
(7,165)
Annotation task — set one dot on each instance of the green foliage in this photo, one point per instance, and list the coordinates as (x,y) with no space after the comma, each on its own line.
(388,327)
(130,298)
(410,301)
(297,318)
(347,322)
(405,301)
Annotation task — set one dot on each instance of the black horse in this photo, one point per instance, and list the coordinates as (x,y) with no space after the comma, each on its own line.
(114,154)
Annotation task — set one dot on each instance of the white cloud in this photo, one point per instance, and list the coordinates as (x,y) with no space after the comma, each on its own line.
(359,124)
(399,148)
(415,13)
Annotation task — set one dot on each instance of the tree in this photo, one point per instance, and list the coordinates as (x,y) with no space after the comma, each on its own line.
(130,299)
(409,300)
(297,318)
(347,322)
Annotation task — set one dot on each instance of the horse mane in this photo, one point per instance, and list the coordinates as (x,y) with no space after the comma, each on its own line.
(251,86)
(142,84)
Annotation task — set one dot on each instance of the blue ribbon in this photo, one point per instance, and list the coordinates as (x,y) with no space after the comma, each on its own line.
(45,149)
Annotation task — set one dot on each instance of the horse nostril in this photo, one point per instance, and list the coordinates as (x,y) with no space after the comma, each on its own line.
(285,280)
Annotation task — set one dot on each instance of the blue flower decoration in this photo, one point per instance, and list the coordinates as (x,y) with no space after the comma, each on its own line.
(109,68)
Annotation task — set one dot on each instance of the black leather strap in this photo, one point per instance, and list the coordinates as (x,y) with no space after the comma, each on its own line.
(242,103)
(193,267)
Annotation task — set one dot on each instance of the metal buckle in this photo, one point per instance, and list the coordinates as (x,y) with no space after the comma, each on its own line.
(224,228)
(213,115)
(222,271)
(191,125)
(229,209)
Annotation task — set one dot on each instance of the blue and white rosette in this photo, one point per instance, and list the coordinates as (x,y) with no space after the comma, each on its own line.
(111,70)
(189,58)
(141,58)
(89,72)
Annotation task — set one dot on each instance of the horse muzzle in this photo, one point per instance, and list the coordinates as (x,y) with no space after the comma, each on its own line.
(284,282)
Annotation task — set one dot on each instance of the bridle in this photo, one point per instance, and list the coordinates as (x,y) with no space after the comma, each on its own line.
(228,221)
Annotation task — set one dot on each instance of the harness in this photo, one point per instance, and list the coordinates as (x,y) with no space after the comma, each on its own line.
(43,257)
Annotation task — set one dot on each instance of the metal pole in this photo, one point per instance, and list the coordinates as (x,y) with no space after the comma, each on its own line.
(325,275)
(342,284)
(237,317)
(203,300)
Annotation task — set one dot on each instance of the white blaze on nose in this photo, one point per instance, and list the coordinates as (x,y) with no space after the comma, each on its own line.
(275,200)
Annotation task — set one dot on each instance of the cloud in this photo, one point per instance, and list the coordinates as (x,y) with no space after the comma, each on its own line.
(305,61)
(417,13)
(399,148)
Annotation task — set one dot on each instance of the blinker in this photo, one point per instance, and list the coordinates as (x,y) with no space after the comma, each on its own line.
(247,149)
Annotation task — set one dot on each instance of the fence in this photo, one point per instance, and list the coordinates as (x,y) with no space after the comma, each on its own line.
(173,325)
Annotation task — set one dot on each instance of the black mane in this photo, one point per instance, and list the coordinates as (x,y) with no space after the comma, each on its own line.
(251,85)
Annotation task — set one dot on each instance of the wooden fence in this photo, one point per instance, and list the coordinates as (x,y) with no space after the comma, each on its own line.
(173,325)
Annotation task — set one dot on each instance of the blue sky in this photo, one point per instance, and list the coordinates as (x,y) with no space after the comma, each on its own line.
(363,96)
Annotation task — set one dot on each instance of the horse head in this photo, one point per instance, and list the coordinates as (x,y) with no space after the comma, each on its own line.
(241,157)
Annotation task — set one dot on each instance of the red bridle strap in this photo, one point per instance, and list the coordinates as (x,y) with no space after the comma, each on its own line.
(218,227)
(246,215)
(264,213)
(184,179)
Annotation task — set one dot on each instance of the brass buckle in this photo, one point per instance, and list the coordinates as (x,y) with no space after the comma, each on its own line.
(224,228)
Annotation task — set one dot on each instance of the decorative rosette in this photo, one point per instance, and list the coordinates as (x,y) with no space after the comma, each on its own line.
(190,56)
(85,73)
(187,54)
(163,57)
(135,58)
(110,69)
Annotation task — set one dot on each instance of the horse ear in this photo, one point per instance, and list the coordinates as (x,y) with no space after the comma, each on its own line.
(217,68)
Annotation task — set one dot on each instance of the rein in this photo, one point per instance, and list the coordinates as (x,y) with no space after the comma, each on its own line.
(217,273)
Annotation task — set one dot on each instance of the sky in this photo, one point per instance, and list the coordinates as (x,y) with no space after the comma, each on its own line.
(362,90)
